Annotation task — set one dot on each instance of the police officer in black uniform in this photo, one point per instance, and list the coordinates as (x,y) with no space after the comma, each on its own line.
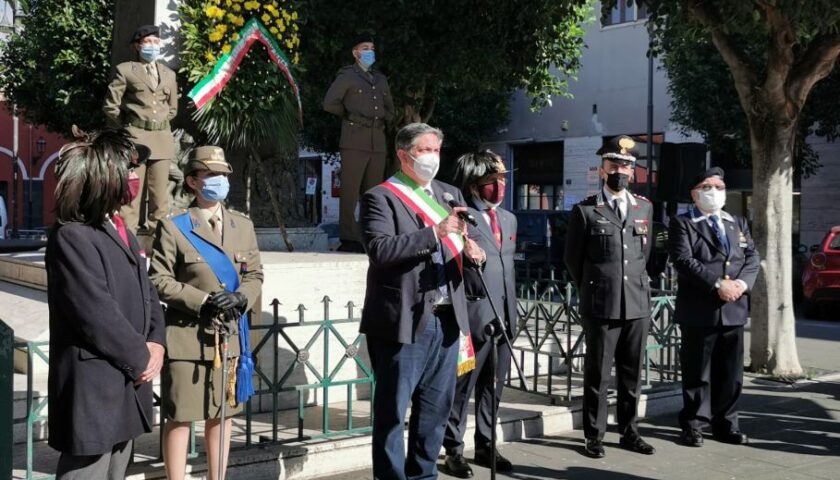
(608,243)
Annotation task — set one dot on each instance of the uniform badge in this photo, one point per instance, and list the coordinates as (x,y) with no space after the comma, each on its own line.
(742,240)
(641,226)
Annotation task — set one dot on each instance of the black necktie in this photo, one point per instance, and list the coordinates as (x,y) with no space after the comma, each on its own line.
(617,208)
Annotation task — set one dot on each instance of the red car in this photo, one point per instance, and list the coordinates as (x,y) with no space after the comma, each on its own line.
(821,278)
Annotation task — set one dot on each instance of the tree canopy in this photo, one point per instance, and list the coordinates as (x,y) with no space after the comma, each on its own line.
(453,64)
(57,71)
(704,98)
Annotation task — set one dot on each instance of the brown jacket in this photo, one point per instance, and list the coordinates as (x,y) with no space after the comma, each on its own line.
(183,279)
(145,110)
(363,101)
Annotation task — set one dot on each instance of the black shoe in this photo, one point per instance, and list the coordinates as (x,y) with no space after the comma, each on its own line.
(735,437)
(483,458)
(634,443)
(350,246)
(594,448)
(691,437)
(457,466)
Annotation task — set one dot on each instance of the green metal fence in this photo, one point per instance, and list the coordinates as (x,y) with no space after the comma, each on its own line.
(274,378)
(549,338)
(548,327)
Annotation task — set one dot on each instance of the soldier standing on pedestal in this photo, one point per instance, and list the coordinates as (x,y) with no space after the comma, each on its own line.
(143,98)
(362,98)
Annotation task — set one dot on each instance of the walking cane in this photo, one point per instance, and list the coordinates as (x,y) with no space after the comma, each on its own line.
(223,327)
(490,331)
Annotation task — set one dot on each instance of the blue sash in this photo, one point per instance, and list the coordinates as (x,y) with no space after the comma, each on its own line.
(226,272)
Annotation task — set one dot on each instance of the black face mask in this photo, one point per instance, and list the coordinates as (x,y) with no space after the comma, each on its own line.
(618,181)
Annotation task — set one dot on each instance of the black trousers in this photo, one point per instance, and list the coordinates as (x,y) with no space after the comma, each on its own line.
(712,361)
(624,341)
(480,382)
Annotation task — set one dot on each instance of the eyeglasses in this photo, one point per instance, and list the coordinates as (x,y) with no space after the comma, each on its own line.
(706,188)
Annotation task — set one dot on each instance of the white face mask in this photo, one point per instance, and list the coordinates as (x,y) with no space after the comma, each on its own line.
(426,166)
(712,200)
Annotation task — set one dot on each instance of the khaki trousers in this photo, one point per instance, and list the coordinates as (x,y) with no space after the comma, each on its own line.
(152,202)
(360,171)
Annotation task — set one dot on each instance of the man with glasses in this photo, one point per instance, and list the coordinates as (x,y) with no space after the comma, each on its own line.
(608,244)
(717,264)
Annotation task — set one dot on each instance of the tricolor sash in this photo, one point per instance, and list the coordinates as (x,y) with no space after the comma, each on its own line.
(429,210)
(226,272)
(432,213)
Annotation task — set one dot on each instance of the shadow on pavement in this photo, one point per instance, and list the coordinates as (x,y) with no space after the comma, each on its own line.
(525,472)
(776,421)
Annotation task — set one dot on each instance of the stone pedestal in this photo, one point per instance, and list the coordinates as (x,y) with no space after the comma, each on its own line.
(304,239)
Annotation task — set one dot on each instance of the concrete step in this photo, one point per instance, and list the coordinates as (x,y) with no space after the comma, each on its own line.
(522,416)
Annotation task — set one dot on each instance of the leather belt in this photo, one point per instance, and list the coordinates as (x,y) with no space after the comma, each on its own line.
(365,121)
(152,125)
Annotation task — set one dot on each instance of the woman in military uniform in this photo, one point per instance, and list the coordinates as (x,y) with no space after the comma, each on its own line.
(206,268)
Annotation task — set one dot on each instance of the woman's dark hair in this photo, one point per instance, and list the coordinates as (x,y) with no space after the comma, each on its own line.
(92,176)
(471,167)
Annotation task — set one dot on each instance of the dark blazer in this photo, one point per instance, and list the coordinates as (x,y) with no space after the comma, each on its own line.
(103,310)
(607,258)
(401,277)
(701,261)
(498,274)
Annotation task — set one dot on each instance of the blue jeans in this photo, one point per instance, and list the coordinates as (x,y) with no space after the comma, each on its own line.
(424,373)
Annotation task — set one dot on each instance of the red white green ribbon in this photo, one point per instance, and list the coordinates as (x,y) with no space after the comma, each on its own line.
(466,354)
(427,208)
(227,64)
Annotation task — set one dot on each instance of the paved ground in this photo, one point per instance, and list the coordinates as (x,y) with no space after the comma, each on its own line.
(794,434)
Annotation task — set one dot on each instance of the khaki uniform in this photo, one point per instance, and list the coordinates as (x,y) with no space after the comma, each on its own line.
(363,101)
(184,280)
(145,107)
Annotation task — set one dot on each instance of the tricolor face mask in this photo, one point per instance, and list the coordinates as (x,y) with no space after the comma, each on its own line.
(133,187)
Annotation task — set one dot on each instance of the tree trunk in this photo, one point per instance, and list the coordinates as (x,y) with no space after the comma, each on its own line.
(773,330)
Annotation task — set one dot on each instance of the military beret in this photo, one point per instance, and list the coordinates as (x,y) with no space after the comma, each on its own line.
(208,158)
(143,154)
(144,32)
(712,172)
(620,149)
(362,38)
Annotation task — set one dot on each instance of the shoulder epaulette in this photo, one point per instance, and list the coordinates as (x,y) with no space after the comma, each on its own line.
(175,211)
(641,198)
(241,214)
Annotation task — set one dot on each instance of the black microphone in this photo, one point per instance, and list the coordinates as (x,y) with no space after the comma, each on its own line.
(465,216)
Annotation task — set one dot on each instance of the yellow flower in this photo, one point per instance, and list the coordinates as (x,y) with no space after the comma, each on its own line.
(228,3)
(239,21)
(214,12)
(296,59)
(234,37)
(273,30)
(226,48)
(294,16)
(236,7)
(282,27)
(295,26)
(221,28)
(209,56)
(252,5)
(265,18)
(216,36)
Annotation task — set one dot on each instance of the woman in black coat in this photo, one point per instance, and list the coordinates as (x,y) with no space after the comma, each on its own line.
(106,323)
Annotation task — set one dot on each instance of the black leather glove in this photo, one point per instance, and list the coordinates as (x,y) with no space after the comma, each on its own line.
(208,311)
(229,301)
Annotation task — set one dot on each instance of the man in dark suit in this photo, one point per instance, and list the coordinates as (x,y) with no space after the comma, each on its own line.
(717,264)
(482,178)
(106,323)
(608,244)
(414,304)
